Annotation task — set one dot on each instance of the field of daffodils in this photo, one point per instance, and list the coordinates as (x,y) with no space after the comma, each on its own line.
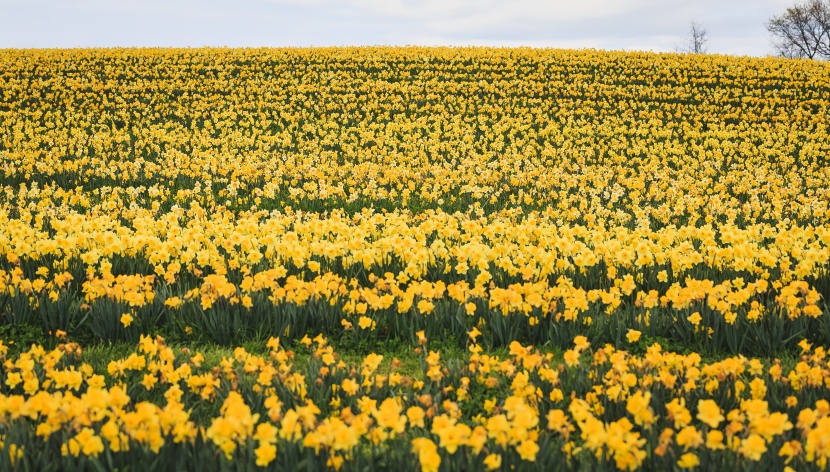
(626,255)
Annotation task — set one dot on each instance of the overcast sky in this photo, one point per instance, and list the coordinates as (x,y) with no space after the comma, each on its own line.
(733,26)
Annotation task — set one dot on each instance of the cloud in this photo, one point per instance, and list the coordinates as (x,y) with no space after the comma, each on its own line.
(455,15)
(735,26)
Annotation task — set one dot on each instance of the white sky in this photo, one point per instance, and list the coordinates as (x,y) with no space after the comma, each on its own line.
(733,26)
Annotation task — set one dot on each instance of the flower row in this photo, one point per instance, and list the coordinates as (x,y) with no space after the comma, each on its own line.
(595,406)
(598,138)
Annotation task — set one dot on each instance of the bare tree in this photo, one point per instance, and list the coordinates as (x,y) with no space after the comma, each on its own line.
(803,30)
(697,40)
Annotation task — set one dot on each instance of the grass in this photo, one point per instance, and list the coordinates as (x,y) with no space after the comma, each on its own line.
(98,355)
(20,338)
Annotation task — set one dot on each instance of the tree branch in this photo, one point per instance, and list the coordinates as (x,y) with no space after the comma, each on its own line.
(803,30)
